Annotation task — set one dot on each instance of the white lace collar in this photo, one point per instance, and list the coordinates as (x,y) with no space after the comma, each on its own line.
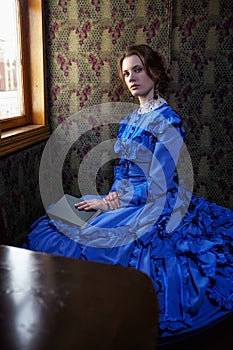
(151,105)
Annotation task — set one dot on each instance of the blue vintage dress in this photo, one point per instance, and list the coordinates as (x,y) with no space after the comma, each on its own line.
(191,263)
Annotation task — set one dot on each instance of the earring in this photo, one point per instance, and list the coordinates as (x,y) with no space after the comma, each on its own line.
(156,94)
(131,99)
(156,91)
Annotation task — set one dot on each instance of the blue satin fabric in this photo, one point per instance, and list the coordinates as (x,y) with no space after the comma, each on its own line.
(190,267)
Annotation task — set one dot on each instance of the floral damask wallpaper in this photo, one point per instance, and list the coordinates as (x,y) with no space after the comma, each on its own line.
(202,61)
(83,41)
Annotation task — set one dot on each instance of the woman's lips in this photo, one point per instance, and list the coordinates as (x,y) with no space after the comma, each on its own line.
(134,87)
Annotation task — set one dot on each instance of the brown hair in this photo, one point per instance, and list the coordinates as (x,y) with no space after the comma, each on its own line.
(152,63)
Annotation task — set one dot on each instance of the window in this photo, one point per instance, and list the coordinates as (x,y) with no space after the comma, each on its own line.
(11,101)
(22,83)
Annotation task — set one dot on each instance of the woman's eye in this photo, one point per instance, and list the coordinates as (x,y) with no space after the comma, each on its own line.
(125,74)
(138,70)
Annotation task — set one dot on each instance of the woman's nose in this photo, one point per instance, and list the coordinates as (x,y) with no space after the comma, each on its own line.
(131,76)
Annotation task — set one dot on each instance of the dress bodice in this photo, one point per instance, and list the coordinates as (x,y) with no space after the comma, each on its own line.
(144,139)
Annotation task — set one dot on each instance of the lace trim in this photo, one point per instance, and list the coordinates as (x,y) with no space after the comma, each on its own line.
(151,105)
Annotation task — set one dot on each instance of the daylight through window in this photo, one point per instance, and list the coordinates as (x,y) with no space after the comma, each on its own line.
(23,119)
(11,102)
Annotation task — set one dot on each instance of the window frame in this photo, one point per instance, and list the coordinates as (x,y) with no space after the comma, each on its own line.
(21,131)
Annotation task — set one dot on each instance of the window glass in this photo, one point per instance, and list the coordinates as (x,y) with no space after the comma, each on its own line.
(10,89)
(22,86)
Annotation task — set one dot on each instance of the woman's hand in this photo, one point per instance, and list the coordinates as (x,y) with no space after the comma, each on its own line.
(112,200)
(94,203)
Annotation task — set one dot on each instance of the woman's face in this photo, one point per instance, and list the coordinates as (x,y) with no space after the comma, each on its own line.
(138,82)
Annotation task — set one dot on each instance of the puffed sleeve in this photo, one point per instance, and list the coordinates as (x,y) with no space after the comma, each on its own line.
(165,157)
(121,169)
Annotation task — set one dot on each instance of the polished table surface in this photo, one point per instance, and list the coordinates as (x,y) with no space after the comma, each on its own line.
(53,302)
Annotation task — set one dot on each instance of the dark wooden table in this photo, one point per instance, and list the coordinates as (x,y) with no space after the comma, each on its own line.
(52,302)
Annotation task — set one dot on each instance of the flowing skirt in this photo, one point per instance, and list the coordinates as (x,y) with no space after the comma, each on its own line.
(191,267)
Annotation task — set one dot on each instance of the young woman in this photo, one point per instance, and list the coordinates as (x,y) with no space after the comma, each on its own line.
(149,221)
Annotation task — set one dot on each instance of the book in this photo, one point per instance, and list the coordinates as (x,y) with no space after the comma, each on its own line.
(65,211)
